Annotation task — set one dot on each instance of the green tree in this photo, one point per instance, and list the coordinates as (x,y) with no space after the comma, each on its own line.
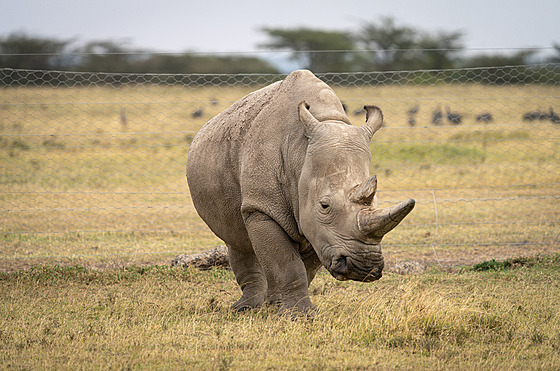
(196,63)
(439,50)
(555,58)
(387,44)
(107,56)
(396,47)
(317,50)
(22,51)
(496,60)
(505,69)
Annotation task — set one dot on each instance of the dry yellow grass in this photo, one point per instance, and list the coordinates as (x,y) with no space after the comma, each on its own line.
(159,317)
(95,177)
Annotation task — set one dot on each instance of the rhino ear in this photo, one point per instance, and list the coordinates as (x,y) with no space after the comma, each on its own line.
(309,122)
(374,120)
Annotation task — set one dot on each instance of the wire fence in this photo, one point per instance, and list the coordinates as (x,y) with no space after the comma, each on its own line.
(96,157)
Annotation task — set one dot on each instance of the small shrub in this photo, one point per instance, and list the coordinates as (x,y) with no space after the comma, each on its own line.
(491,135)
(494,265)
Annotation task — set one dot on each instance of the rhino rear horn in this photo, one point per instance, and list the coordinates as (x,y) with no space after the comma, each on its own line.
(378,222)
(307,119)
(374,120)
(364,193)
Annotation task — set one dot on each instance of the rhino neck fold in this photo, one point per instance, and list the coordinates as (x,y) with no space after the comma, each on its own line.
(292,155)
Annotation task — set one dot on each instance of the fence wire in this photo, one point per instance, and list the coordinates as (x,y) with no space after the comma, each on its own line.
(98,155)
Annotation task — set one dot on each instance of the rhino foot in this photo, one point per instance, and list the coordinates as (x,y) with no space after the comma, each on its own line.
(241,308)
(244,304)
(302,309)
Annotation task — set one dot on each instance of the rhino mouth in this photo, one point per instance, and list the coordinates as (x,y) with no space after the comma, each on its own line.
(366,268)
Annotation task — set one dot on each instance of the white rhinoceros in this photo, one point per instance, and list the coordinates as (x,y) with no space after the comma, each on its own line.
(282,177)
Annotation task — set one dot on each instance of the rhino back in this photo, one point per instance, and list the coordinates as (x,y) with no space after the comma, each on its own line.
(249,157)
(273,158)
(213,165)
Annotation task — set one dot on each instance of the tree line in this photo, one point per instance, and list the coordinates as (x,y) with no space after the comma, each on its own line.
(376,46)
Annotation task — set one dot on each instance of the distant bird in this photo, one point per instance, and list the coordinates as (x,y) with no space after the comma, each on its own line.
(453,117)
(412,116)
(124,120)
(535,115)
(484,117)
(531,116)
(198,113)
(554,118)
(413,110)
(437,117)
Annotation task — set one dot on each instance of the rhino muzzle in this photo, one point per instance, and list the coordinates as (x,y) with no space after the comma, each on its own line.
(375,223)
(348,267)
(362,260)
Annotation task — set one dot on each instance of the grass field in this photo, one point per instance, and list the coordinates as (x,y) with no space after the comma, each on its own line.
(156,317)
(94,205)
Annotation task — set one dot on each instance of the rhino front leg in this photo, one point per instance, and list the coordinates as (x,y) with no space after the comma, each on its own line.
(285,271)
(312,264)
(251,278)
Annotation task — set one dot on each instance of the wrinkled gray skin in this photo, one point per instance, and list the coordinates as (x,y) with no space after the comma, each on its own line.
(282,177)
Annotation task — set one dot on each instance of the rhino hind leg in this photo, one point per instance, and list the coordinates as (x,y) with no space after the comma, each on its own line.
(286,273)
(250,277)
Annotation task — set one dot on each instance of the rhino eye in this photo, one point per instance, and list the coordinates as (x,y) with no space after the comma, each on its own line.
(324,205)
(324,210)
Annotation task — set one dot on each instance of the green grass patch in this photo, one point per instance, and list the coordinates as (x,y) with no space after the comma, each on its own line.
(491,135)
(515,263)
(439,153)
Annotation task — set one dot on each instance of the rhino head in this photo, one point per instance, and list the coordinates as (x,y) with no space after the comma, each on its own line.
(338,209)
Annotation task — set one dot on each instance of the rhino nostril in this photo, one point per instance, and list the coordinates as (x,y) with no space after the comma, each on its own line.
(339,265)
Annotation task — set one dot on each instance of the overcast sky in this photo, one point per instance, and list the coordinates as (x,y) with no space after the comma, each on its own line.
(233,25)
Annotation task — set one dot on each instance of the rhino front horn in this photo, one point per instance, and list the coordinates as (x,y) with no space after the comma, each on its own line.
(378,222)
